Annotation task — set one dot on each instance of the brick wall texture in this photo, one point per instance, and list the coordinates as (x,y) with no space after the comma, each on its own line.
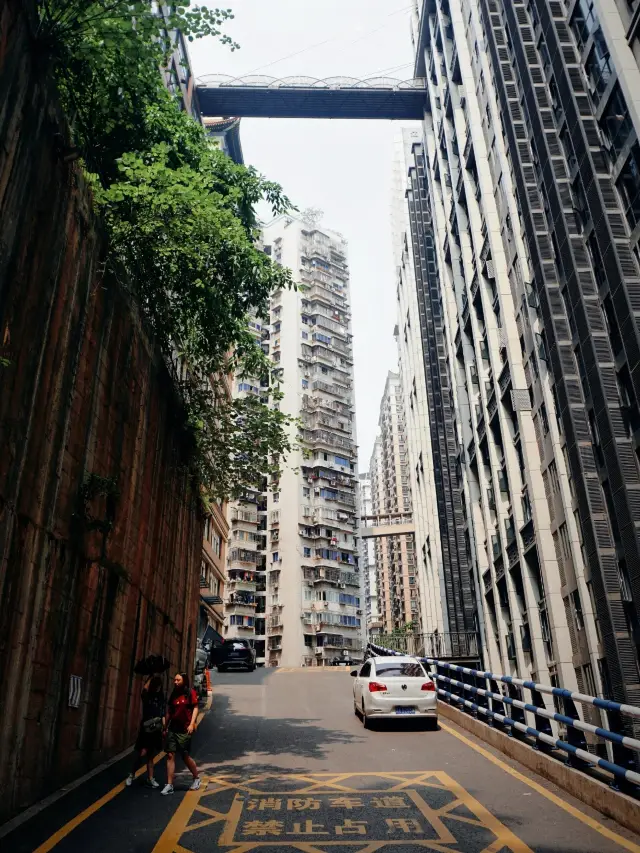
(85,394)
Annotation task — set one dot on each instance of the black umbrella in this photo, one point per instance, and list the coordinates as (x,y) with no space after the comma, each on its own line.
(151,665)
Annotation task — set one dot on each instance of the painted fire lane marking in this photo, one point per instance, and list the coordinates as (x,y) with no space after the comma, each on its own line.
(336,813)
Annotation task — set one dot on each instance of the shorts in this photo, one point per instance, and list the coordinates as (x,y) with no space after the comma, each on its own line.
(178,742)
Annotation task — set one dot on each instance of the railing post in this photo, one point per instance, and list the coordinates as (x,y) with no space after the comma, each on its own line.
(497,705)
(515,713)
(621,755)
(482,701)
(542,724)
(574,736)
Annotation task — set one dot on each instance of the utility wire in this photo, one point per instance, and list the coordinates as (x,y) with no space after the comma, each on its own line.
(328,41)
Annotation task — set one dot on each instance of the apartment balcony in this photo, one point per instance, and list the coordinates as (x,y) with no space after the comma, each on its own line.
(330,439)
(334,390)
(504,380)
(242,556)
(249,516)
(241,601)
(528,535)
(331,575)
(337,641)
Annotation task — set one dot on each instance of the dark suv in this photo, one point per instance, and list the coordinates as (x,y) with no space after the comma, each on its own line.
(235,652)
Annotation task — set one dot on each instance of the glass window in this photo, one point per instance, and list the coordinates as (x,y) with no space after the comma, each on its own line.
(584,21)
(628,185)
(615,123)
(599,67)
(400,670)
(365,672)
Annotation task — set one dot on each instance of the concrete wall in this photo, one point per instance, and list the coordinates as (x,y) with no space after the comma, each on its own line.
(84,394)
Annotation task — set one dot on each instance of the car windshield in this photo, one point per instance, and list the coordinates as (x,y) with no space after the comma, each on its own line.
(400,670)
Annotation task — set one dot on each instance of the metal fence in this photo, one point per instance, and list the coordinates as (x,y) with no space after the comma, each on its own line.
(501,701)
(459,645)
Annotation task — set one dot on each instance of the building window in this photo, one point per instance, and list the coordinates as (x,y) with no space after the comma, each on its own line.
(577,610)
(628,185)
(599,67)
(615,123)
(307,552)
(584,21)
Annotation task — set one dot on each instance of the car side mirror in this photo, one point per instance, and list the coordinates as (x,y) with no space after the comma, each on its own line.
(354,673)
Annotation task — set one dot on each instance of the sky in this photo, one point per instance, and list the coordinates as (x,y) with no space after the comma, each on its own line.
(342,167)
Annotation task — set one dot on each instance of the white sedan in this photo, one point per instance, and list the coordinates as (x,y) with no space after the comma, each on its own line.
(387,687)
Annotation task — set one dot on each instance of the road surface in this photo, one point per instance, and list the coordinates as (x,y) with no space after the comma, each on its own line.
(289,767)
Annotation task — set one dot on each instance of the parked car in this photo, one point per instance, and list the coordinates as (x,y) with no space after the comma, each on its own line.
(398,686)
(235,653)
(199,678)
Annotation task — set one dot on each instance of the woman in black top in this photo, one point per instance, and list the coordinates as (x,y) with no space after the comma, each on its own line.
(149,741)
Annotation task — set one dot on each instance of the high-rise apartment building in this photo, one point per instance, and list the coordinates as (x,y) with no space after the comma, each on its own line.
(395,557)
(408,333)
(245,603)
(522,200)
(373,622)
(314,598)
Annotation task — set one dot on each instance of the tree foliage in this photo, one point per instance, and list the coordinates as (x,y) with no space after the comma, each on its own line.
(181,221)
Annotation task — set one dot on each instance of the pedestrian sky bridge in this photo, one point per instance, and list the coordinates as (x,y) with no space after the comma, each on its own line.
(389,524)
(259,96)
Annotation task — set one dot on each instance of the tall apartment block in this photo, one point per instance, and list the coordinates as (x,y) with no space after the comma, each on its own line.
(395,557)
(314,598)
(373,621)
(245,604)
(523,203)
(411,361)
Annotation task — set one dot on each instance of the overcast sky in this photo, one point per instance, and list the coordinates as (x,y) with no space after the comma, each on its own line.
(341,167)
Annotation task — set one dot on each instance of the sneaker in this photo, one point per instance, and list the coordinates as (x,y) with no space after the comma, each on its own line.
(129,780)
(168,789)
(152,783)
(195,785)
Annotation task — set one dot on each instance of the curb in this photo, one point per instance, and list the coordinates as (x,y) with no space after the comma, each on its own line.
(619,807)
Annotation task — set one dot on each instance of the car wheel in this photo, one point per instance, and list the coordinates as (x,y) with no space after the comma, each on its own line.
(251,667)
(365,719)
(356,710)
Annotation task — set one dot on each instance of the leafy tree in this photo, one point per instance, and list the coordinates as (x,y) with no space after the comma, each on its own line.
(180,217)
(106,56)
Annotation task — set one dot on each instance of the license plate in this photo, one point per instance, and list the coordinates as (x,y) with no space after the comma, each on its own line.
(234,654)
(400,710)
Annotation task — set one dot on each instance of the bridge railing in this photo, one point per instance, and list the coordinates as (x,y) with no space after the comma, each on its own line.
(453,645)
(479,693)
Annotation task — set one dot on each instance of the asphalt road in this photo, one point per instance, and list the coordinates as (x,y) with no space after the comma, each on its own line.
(288,766)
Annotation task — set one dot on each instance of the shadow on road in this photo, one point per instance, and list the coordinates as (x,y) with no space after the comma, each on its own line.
(229,735)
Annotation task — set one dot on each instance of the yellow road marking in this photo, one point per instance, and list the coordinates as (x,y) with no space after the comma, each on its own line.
(558,801)
(170,841)
(65,830)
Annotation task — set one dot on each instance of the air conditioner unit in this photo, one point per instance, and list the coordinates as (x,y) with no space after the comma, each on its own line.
(309,479)
(326,604)
(342,586)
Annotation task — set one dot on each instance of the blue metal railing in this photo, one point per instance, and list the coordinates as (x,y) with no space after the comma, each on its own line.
(489,703)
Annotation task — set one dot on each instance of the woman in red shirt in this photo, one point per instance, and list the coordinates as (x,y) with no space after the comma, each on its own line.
(181,724)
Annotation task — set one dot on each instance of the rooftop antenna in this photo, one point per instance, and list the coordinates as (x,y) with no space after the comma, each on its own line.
(312,216)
